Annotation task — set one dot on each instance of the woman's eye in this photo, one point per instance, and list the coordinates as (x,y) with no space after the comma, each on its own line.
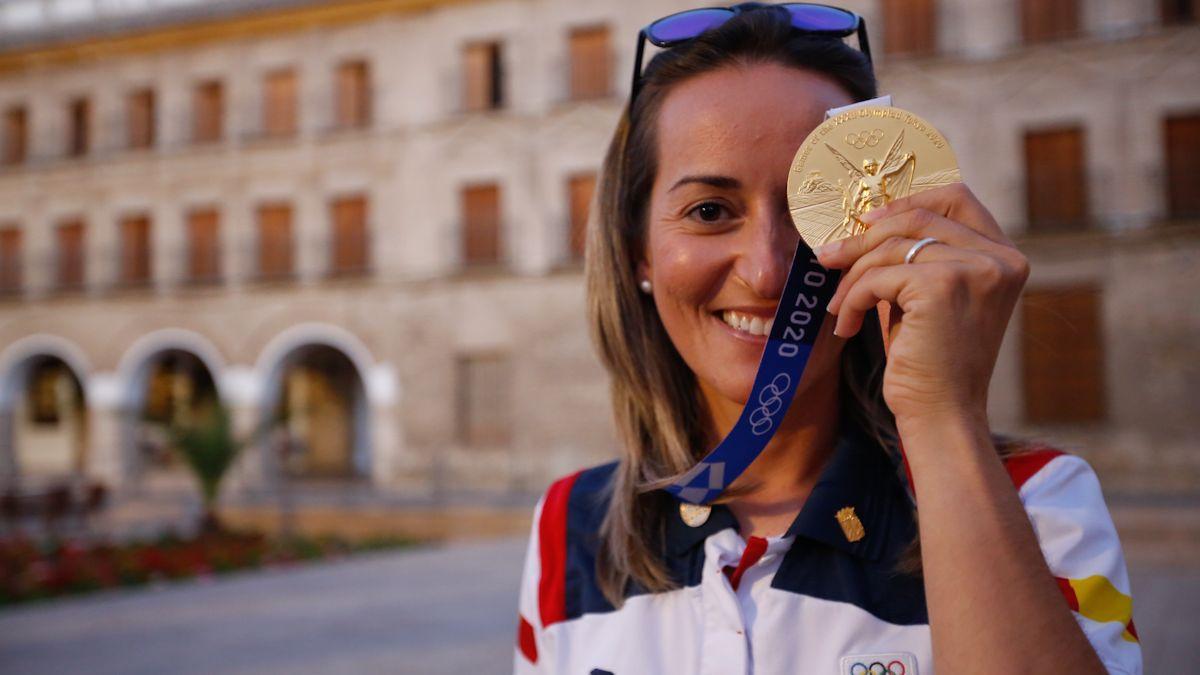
(709,212)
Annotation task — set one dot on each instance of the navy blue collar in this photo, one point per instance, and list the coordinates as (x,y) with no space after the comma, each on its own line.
(859,475)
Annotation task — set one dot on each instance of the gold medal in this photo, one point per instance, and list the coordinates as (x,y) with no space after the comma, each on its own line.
(861,159)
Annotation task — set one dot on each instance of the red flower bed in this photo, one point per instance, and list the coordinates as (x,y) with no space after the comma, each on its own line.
(31,570)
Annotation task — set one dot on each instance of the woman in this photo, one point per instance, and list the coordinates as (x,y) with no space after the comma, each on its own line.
(814,560)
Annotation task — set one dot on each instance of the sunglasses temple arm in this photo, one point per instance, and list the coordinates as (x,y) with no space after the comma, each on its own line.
(637,66)
(863,44)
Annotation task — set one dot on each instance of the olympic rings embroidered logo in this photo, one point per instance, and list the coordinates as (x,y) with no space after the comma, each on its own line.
(877,668)
(864,139)
(762,418)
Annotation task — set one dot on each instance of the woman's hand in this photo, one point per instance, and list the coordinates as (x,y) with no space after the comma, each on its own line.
(950,306)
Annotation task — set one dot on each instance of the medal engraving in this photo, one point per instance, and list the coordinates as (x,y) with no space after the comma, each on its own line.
(859,160)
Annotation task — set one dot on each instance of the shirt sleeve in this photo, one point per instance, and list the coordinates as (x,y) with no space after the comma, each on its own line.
(1063,499)
(530,656)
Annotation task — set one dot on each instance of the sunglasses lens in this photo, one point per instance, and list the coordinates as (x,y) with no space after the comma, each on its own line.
(821,18)
(686,25)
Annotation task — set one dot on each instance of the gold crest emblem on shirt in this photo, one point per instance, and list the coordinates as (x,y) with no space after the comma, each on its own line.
(852,527)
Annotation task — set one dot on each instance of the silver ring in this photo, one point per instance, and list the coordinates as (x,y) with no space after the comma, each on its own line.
(916,248)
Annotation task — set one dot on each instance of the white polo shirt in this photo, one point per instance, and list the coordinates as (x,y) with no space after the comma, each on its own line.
(810,601)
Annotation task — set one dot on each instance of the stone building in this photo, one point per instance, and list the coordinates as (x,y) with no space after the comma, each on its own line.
(364,217)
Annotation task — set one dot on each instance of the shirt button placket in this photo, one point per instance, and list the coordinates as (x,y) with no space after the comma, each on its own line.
(724,650)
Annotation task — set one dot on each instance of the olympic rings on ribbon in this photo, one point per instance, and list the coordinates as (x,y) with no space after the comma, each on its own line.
(762,418)
(877,668)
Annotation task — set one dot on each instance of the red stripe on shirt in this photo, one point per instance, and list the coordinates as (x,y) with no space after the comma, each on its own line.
(525,640)
(552,544)
(1068,592)
(1022,467)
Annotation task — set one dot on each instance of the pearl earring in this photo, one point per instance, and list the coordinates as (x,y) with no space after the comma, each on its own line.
(646,286)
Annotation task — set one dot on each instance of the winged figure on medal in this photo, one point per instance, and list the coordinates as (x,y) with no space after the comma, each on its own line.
(818,201)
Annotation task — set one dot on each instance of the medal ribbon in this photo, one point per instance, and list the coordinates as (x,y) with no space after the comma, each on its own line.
(798,320)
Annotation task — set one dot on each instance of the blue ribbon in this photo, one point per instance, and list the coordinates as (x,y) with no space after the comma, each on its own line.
(798,320)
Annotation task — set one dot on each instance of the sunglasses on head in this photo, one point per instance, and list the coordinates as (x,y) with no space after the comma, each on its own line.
(810,18)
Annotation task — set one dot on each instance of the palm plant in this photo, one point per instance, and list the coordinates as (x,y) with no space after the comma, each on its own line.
(209,448)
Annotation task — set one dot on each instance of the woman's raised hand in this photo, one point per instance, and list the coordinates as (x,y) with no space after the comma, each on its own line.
(950,306)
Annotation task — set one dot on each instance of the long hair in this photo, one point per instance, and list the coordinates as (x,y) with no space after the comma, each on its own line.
(659,416)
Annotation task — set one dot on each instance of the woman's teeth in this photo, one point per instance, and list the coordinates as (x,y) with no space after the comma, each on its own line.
(746,323)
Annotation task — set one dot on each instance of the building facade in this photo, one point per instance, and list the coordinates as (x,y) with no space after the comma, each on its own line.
(361,221)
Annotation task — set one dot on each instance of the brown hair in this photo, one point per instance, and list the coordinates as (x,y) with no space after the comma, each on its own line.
(659,416)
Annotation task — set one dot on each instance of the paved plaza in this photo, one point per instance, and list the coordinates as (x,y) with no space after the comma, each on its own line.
(426,612)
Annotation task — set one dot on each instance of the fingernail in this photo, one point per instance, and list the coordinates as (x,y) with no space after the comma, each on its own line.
(827,249)
(871,216)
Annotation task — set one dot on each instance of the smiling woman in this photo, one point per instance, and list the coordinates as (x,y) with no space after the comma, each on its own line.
(815,558)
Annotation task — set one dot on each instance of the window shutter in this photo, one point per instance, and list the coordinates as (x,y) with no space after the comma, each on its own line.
(580,189)
(140,110)
(10,259)
(1043,20)
(348,255)
(275,241)
(1182,151)
(204,245)
(279,103)
(71,258)
(353,95)
(80,140)
(482,77)
(135,249)
(208,106)
(591,63)
(485,400)
(910,27)
(1062,353)
(16,135)
(481,224)
(1056,180)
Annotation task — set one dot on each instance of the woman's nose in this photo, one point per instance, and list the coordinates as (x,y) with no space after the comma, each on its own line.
(766,255)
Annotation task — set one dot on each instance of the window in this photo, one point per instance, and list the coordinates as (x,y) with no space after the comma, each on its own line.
(580,188)
(1176,12)
(484,400)
(279,103)
(1044,20)
(80,113)
(140,117)
(208,111)
(910,27)
(69,254)
(353,95)
(204,245)
(1182,136)
(483,82)
(348,255)
(1062,355)
(135,250)
(274,241)
(10,259)
(16,135)
(591,63)
(481,224)
(1055,180)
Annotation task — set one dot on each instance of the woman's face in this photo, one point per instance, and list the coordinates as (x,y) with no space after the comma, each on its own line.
(719,238)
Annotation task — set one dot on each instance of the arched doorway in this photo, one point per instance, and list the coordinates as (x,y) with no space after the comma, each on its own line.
(317,393)
(171,387)
(48,420)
